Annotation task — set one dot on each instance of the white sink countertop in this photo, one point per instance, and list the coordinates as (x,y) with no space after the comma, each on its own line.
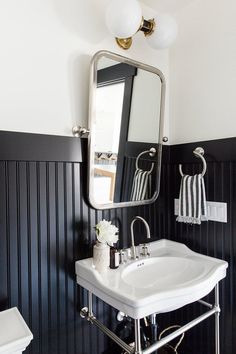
(170,278)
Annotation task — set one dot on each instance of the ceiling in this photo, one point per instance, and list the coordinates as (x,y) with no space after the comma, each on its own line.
(170,6)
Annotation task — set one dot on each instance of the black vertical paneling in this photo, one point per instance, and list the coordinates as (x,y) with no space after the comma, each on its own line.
(210,238)
(13,255)
(46,224)
(4,268)
(42,251)
(34,255)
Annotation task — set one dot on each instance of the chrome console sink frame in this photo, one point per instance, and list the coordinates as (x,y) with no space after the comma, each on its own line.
(172,277)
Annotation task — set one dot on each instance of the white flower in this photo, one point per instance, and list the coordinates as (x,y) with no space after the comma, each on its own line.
(106,232)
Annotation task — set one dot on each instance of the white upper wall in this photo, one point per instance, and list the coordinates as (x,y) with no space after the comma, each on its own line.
(203,72)
(46,48)
(170,6)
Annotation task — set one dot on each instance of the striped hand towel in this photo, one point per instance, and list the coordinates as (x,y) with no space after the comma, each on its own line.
(192,200)
(141,187)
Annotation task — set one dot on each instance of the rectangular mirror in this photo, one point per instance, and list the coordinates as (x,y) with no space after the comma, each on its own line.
(126,131)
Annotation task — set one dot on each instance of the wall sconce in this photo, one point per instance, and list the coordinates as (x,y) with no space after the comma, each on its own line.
(124,19)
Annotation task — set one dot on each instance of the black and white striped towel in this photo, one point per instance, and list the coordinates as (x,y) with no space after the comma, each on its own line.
(141,187)
(192,200)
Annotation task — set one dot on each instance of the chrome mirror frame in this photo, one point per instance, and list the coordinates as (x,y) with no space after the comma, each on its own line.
(91,126)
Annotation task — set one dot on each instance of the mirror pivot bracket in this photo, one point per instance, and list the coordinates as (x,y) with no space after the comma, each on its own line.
(79,131)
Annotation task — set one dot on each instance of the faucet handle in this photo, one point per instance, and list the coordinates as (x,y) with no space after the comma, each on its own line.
(123,256)
(144,250)
(127,253)
(127,256)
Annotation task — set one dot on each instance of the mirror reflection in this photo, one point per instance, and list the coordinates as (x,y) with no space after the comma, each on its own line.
(125,124)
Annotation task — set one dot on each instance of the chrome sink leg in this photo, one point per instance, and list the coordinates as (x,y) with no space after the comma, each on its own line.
(90,304)
(87,313)
(138,349)
(217,320)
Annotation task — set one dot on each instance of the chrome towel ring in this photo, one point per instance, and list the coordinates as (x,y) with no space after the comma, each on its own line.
(152,152)
(198,152)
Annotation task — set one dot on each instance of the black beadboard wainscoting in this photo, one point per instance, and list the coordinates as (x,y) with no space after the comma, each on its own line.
(46,225)
(210,238)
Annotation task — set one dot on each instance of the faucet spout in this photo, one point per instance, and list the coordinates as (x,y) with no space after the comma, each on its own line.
(133,249)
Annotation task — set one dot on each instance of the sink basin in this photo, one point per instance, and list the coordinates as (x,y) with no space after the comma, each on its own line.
(172,277)
(162,272)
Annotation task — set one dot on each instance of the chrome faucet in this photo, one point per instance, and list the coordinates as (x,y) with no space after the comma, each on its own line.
(133,249)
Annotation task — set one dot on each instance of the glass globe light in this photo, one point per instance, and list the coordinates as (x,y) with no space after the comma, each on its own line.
(123,17)
(165,32)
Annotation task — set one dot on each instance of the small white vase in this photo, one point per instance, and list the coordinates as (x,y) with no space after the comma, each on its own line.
(101,256)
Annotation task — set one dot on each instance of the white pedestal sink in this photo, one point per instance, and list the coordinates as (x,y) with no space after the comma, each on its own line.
(172,277)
